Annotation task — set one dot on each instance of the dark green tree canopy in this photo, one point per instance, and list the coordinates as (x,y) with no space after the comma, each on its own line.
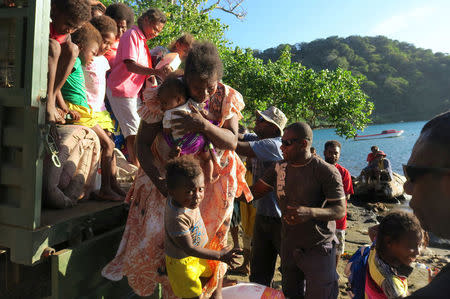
(404,82)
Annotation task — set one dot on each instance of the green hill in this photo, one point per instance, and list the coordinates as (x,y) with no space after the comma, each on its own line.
(406,83)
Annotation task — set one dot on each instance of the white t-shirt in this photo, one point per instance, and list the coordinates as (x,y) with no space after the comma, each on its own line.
(95,78)
(168,116)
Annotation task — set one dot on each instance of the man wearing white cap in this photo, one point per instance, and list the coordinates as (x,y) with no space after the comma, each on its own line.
(264,147)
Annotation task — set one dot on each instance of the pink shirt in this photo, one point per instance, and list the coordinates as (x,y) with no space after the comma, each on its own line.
(132,46)
(95,80)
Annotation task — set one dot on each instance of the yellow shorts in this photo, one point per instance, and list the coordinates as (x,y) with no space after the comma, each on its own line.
(86,116)
(184,275)
(104,120)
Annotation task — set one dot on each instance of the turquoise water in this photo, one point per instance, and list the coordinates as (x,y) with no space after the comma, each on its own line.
(354,153)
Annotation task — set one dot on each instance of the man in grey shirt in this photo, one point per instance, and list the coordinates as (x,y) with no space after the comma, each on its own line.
(310,196)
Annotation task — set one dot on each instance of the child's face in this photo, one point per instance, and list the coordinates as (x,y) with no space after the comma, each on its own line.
(63,24)
(190,192)
(182,50)
(407,248)
(88,53)
(169,101)
(121,27)
(108,39)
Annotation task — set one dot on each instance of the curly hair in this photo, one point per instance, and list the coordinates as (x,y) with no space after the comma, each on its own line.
(203,61)
(77,11)
(332,143)
(96,8)
(86,35)
(172,86)
(119,12)
(154,16)
(186,40)
(104,24)
(182,168)
(394,226)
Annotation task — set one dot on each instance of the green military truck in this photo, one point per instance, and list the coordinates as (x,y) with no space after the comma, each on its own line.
(43,253)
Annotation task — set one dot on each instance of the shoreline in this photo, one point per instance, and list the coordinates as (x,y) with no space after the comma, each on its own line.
(361,216)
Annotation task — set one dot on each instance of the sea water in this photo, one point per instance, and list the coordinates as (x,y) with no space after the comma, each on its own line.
(354,153)
(397,149)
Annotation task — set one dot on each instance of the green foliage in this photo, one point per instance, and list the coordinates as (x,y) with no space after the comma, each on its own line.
(320,98)
(405,82)
(185,16)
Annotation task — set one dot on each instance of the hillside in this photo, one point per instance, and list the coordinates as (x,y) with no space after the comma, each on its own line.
(405,83)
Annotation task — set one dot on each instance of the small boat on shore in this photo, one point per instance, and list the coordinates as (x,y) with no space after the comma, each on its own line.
(383,134)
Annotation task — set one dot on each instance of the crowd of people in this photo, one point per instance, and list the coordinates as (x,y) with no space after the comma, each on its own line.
(181,128)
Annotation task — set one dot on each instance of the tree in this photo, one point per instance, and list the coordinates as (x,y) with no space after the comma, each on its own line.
(323,98)
(233,7)
(405,82)
(331,98)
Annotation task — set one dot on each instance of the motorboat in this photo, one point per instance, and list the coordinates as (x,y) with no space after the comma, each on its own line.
(383,134)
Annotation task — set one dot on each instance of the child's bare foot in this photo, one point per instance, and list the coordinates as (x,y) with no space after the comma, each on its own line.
(109,195)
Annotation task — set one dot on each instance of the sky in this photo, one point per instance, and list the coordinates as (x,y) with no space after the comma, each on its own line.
(424,23)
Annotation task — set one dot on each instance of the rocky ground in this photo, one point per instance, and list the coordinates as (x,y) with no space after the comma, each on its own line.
(360,217)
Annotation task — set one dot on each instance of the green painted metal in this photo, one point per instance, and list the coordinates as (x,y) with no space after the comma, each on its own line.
(24,65)
(76,272)
(27,245)
(27,230)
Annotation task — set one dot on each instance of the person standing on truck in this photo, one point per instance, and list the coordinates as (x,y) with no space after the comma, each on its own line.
(89,40)
(67,16)
(132,65)
(123,15)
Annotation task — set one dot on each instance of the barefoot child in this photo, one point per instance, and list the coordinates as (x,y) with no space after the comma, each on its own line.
(389,264)
(185,233)
(124,19)
(89,40)
(67,16)
(95,73)
(172,96)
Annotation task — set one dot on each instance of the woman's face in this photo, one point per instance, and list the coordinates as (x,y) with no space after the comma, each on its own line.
(121,27)
(151,29)
(201,90)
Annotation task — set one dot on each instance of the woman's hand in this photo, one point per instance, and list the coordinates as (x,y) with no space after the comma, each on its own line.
(189,123)
(161,185)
